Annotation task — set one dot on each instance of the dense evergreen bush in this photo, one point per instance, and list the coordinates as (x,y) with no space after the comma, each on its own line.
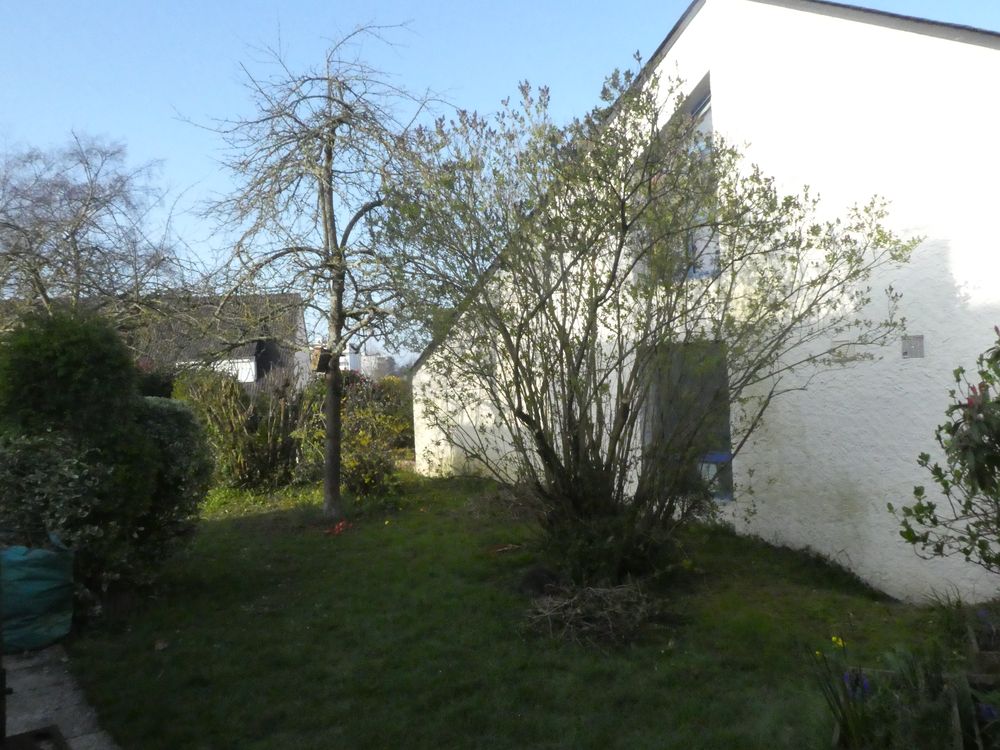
(158,383)
(68,373)
(46,486)
(84,457)
(181,480)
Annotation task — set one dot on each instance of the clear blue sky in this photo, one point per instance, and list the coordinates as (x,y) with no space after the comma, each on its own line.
(128,69)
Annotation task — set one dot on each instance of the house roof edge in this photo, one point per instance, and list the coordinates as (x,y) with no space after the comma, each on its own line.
(942,29)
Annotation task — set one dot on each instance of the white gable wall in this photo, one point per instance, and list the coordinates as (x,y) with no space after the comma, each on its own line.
(854,109)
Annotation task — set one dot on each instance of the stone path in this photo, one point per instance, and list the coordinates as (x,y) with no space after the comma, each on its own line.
(45,693)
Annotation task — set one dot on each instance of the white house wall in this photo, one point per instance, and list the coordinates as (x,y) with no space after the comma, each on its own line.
(854,109)
(244,370)
(439,404)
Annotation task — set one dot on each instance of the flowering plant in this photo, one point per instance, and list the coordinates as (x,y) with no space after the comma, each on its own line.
(913,701)
(847,691)
(968,521)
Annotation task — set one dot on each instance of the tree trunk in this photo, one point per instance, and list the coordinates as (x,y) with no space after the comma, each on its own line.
(331,466)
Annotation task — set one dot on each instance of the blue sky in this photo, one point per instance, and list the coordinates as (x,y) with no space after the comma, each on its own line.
(132,70)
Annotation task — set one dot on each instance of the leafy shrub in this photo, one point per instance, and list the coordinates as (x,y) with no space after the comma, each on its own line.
(181,481)
(394,397)
(366,465)
(311,432)
(969,479)
(66,373)
(372,425)
(84,457)
(50,486)
(254,437)
(46,485)
(277,434)
(72,374)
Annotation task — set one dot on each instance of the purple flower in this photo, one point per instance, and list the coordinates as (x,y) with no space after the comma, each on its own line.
(987,712)
(857,684)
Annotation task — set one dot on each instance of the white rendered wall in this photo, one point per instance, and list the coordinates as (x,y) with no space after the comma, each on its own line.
(440,404)
(854,109)
(244,370)
(434,455)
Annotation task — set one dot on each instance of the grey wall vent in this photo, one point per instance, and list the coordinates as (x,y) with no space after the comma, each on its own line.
(913,347)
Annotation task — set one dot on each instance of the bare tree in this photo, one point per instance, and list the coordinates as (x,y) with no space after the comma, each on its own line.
(75,231)
(313,165)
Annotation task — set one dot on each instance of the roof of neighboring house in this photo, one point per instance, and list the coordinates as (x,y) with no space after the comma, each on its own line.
(200,328)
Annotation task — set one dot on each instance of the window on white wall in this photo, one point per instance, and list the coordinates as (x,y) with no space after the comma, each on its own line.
(702,242)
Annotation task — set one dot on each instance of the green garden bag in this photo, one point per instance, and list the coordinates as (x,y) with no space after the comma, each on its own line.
(36,599)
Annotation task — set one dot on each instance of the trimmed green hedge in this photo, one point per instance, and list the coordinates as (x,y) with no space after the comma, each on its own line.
(117,477)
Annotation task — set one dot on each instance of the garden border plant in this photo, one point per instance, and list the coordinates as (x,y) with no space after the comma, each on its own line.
(967,523)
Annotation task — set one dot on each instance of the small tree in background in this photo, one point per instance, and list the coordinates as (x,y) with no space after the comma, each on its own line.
(968,522)
(313,164)
(75,233)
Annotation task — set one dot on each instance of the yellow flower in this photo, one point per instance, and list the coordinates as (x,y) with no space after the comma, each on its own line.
(819,653)
(838,641)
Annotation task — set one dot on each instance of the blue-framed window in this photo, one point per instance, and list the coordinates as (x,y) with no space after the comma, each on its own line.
(716,468)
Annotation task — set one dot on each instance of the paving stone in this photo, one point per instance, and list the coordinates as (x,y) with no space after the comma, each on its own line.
(95,741)
(45,693)
(39,676)
(50,655)
(73,719)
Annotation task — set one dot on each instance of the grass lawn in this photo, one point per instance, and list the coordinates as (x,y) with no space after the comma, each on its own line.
(405,632)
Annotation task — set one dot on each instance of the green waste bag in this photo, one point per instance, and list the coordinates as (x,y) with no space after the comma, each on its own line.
(37,596)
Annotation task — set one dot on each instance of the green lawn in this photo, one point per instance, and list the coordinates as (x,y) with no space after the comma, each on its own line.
(405,632)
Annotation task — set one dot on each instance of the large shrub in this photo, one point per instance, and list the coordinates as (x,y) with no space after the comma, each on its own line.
(253,435)
(394,397)
(276,433)
(181,479)
(73,375)
(65,372)
(118,479)
(372,427)
(968,521)
(311,432)
(47,487)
